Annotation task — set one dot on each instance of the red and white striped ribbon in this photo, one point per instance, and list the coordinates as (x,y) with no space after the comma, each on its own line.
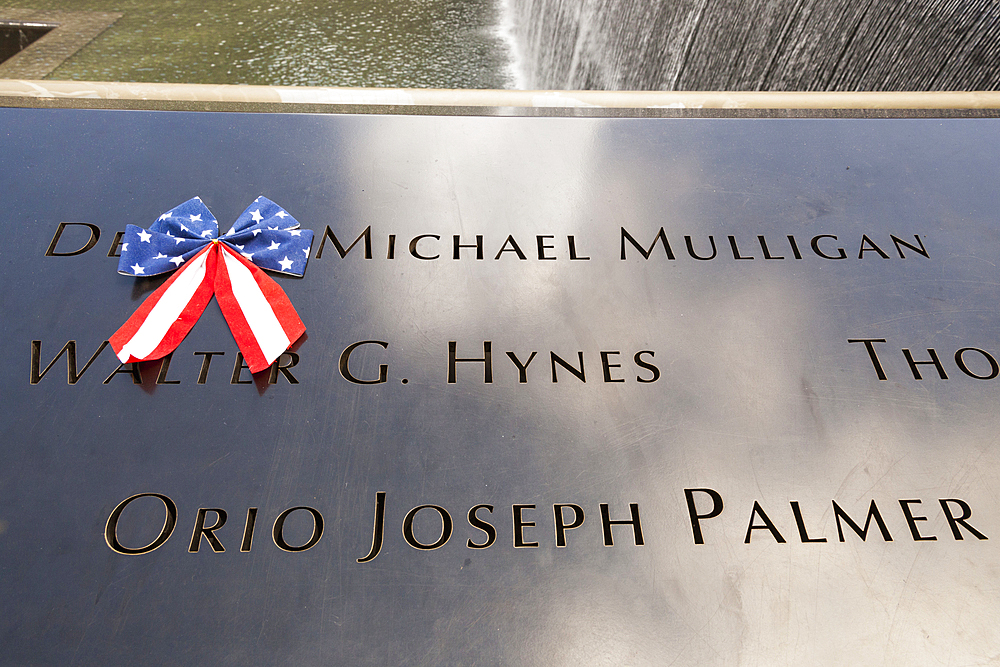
(261,317)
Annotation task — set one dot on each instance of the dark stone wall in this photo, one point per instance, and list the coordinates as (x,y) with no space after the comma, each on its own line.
(840,45)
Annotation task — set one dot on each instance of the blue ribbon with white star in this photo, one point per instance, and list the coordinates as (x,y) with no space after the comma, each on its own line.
(265,234)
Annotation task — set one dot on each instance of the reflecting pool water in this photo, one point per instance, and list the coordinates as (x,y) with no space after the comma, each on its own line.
(545,44)
(398,43)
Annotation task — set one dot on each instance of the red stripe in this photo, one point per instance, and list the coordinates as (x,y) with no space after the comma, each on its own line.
(236,319)
(121,337)
(280,304)
(191,313)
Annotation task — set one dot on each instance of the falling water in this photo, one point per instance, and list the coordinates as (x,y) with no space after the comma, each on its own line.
(755,44)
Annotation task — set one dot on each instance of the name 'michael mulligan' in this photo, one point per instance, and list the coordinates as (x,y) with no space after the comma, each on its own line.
(551,247)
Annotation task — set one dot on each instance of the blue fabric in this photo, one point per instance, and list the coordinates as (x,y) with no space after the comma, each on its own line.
(265,234)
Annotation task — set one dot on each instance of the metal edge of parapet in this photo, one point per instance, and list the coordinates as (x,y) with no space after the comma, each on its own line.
(19,92)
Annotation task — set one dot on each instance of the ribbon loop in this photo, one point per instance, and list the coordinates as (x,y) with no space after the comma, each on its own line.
(258,312)
(190,220)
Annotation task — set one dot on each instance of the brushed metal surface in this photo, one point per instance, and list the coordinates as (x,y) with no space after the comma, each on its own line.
(759,396)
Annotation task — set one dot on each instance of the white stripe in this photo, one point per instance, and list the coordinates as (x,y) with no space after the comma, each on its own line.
(166,311)
(263,322)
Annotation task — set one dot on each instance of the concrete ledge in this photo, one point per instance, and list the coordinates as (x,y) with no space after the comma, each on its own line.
(73,31)
(491,98)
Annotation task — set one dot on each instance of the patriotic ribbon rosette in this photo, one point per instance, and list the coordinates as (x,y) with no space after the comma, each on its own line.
(186,239)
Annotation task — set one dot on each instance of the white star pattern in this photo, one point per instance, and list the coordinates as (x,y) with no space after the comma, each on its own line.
(165,215)
(137,270)
(306,251)
(296,232)
(256,232)
(124,247)
(257,217)
(248,255)
(195,218)
(177,239)
(281,214)
(185,229)
(177,260)
(286,264)
(274,245)
(160,255)
(206,233)
(144,236)
(272,228)
(240,246)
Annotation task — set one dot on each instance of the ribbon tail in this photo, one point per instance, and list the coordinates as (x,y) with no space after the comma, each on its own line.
(159,325)
(261,317)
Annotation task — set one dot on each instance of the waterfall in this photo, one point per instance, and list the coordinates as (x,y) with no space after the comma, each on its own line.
(755,44)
